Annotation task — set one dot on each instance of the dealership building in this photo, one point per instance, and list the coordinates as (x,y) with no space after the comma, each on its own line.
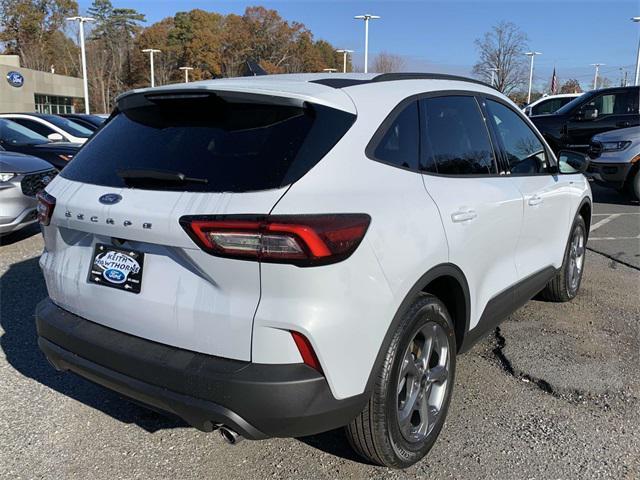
(26,90)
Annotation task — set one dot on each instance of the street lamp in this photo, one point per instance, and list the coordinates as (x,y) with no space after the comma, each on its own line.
(493,75)
(344,53)
(186,73)
(151,51)
(532,55)
(366,17)
(637,20)
(81,21)
(595,77)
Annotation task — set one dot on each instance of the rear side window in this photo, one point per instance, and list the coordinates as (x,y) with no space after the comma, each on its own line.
(455,140)
(549,106)
(212,144)
(35,126)
(525,152)
(399,144)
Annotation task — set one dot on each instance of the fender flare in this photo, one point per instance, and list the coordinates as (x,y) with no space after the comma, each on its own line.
(441,270)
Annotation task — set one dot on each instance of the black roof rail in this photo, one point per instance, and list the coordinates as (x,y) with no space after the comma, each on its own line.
(392,77)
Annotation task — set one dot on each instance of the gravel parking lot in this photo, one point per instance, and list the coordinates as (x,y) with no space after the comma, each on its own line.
(554,393)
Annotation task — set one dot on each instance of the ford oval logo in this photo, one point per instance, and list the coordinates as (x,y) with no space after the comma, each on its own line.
(15,79)
(114,276)
(110,198)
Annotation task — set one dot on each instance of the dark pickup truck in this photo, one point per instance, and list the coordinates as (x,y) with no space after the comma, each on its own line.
(572,126)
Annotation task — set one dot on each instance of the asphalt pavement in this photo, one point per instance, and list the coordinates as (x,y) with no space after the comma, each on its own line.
(553,393)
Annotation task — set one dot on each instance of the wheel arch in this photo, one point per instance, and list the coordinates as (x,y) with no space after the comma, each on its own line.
(584,210)
(445,281)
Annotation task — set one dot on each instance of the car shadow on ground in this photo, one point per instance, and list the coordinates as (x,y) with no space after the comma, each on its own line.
(21,288)
(20,235)
(611,196)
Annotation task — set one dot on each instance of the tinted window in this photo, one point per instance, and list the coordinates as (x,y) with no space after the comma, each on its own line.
(615,103)
(549,106)
(454,137)
(15,134)
(399,145)
(70,126)
(35,126)
(525,153)
(224,146)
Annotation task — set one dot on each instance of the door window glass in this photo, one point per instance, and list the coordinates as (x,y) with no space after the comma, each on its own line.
(35,126)
(525,152)
(454,136)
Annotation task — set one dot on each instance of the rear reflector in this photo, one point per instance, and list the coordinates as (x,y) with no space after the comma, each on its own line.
(46,204)
(302,240)
(309,356)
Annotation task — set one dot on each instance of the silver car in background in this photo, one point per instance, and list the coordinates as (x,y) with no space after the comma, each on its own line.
(615,160)
(21,177)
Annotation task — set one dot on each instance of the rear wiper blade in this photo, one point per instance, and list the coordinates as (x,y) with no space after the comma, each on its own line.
(149,174)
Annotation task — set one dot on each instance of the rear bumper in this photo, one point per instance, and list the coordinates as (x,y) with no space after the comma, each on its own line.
(256,400)
(611,175)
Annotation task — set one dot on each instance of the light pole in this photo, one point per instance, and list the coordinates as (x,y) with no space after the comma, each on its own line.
(595,77)
(151,51)
(186,73)
(637,20)
(366,17)
(532,55)
(493,75)
(81,21)
(344,53)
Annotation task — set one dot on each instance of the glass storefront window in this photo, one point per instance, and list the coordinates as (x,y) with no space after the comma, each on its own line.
(54,104)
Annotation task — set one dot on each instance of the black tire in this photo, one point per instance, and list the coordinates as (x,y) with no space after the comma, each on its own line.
(564,286)
(376,433)
(634,185)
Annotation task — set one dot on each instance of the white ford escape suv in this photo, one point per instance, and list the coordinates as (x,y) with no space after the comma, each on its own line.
(284,255)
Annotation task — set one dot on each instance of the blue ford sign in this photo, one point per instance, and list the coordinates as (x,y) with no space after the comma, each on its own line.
(15,79)
(110,198)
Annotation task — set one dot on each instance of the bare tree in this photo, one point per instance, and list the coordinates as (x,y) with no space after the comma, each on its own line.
(388,63)
(502,49)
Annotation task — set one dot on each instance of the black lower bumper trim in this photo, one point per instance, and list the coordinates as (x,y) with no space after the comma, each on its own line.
(256,400)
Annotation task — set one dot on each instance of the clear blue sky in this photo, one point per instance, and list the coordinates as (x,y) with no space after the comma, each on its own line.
(439,35)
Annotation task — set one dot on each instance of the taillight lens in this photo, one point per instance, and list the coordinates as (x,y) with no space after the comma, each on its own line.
(302,240)
(46,204)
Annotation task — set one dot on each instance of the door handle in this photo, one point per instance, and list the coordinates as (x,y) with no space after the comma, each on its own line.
(623,124)
(535,200)
(463,216)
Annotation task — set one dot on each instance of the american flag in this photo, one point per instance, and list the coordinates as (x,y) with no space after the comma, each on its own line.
(554,82)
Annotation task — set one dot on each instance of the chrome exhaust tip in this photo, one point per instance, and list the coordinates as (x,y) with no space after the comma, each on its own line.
(230,436)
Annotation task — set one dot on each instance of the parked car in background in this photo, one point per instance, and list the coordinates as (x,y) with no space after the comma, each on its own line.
(92,122)
(290,254)
(615,160)
(53,127)
(597,111)
(549,104)
(21,178)
(16,138)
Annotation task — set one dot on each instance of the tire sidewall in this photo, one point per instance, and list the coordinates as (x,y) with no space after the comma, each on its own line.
(578,224)
(408,452)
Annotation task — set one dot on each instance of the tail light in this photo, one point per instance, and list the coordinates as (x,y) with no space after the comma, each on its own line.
(302,240)
(46,204)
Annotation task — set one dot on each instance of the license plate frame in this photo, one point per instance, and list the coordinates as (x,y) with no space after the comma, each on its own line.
(115,267)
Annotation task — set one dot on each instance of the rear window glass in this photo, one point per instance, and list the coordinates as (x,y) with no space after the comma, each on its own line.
(212,145)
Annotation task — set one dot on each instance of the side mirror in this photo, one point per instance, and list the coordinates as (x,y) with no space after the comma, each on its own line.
(590,113)
(55,137)
(572,162)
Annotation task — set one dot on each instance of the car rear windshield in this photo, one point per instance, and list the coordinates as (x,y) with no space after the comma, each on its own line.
(208,145)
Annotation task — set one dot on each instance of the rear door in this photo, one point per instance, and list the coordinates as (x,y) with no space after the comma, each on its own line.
(116,253)
(481,210)
(546,207)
